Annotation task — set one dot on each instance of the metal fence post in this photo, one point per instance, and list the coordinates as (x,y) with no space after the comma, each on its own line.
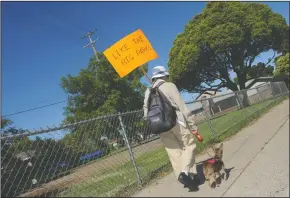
(238,103)
(281,92)
(130,150)
(212,112)
(261,98)
(219,108)
(237,93)
(286,88)
(207,116)
(259,95)
(247,96)
(272,90)
(210,125)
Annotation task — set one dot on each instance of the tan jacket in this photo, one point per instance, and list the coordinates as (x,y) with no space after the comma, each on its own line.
(171,92)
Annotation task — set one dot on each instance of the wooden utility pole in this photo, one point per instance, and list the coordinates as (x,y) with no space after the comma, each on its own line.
(92,43)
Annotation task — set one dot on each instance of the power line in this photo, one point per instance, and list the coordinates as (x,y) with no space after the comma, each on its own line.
(34,108)
(88,35)
(68,33)
(77,26)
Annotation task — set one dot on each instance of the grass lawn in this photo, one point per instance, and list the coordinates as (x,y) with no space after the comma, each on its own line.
(122,181)
(113,181)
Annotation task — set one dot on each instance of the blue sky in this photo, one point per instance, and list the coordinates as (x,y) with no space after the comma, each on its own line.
(41,43)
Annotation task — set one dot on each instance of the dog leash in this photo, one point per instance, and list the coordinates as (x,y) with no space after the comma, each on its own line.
(200,139)
(209,154)
(198,136)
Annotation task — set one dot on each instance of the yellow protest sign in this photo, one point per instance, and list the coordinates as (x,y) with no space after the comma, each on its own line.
(130,52)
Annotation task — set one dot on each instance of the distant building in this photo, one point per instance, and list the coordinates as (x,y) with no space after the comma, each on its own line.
(222,101)
(115,142)
(207,94)
(26,155)
(103,138)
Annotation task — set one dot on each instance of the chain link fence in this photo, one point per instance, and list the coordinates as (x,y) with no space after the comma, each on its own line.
(250,100)
(114,155)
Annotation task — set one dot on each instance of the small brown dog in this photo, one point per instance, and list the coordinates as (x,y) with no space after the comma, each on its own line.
(214,167)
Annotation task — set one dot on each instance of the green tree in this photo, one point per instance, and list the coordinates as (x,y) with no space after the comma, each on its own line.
(282,69)
(226,36)
(259,70)
(96,91)
(282,64)
(20,145)
(5,122)
(285,44)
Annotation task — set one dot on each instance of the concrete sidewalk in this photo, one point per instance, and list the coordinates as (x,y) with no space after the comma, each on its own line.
(257,159)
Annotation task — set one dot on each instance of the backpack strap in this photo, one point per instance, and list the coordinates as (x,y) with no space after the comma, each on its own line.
(159,84)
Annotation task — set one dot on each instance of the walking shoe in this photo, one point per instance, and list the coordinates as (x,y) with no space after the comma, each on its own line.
(187,182)
(184,179)
(194,177)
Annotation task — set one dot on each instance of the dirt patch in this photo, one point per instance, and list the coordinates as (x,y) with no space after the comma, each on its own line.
(93,169)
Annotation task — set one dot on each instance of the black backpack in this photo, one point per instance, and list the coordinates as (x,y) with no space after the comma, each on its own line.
(161,115)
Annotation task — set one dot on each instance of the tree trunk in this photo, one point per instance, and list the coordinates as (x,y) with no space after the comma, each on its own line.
(242,81)
(232,86)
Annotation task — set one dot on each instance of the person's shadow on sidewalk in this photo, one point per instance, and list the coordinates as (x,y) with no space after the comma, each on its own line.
(201,176)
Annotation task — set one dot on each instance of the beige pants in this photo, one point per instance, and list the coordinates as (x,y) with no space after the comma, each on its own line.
(179,144)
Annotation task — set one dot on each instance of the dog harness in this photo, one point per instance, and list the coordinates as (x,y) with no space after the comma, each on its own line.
(211,161)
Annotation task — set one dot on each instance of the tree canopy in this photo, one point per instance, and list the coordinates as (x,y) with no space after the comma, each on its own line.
(282,69)
(96,91)
(282,64)
(225,37)
(5,122)
(259,70)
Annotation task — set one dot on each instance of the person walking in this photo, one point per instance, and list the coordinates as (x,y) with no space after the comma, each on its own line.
(179,141)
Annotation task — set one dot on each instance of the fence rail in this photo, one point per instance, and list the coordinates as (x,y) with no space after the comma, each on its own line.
(105,155)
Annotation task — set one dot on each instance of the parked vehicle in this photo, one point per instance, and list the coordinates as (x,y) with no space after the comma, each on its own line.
(59,167)
(95,155)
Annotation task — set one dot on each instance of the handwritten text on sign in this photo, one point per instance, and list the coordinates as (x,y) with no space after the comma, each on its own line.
(130,52)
